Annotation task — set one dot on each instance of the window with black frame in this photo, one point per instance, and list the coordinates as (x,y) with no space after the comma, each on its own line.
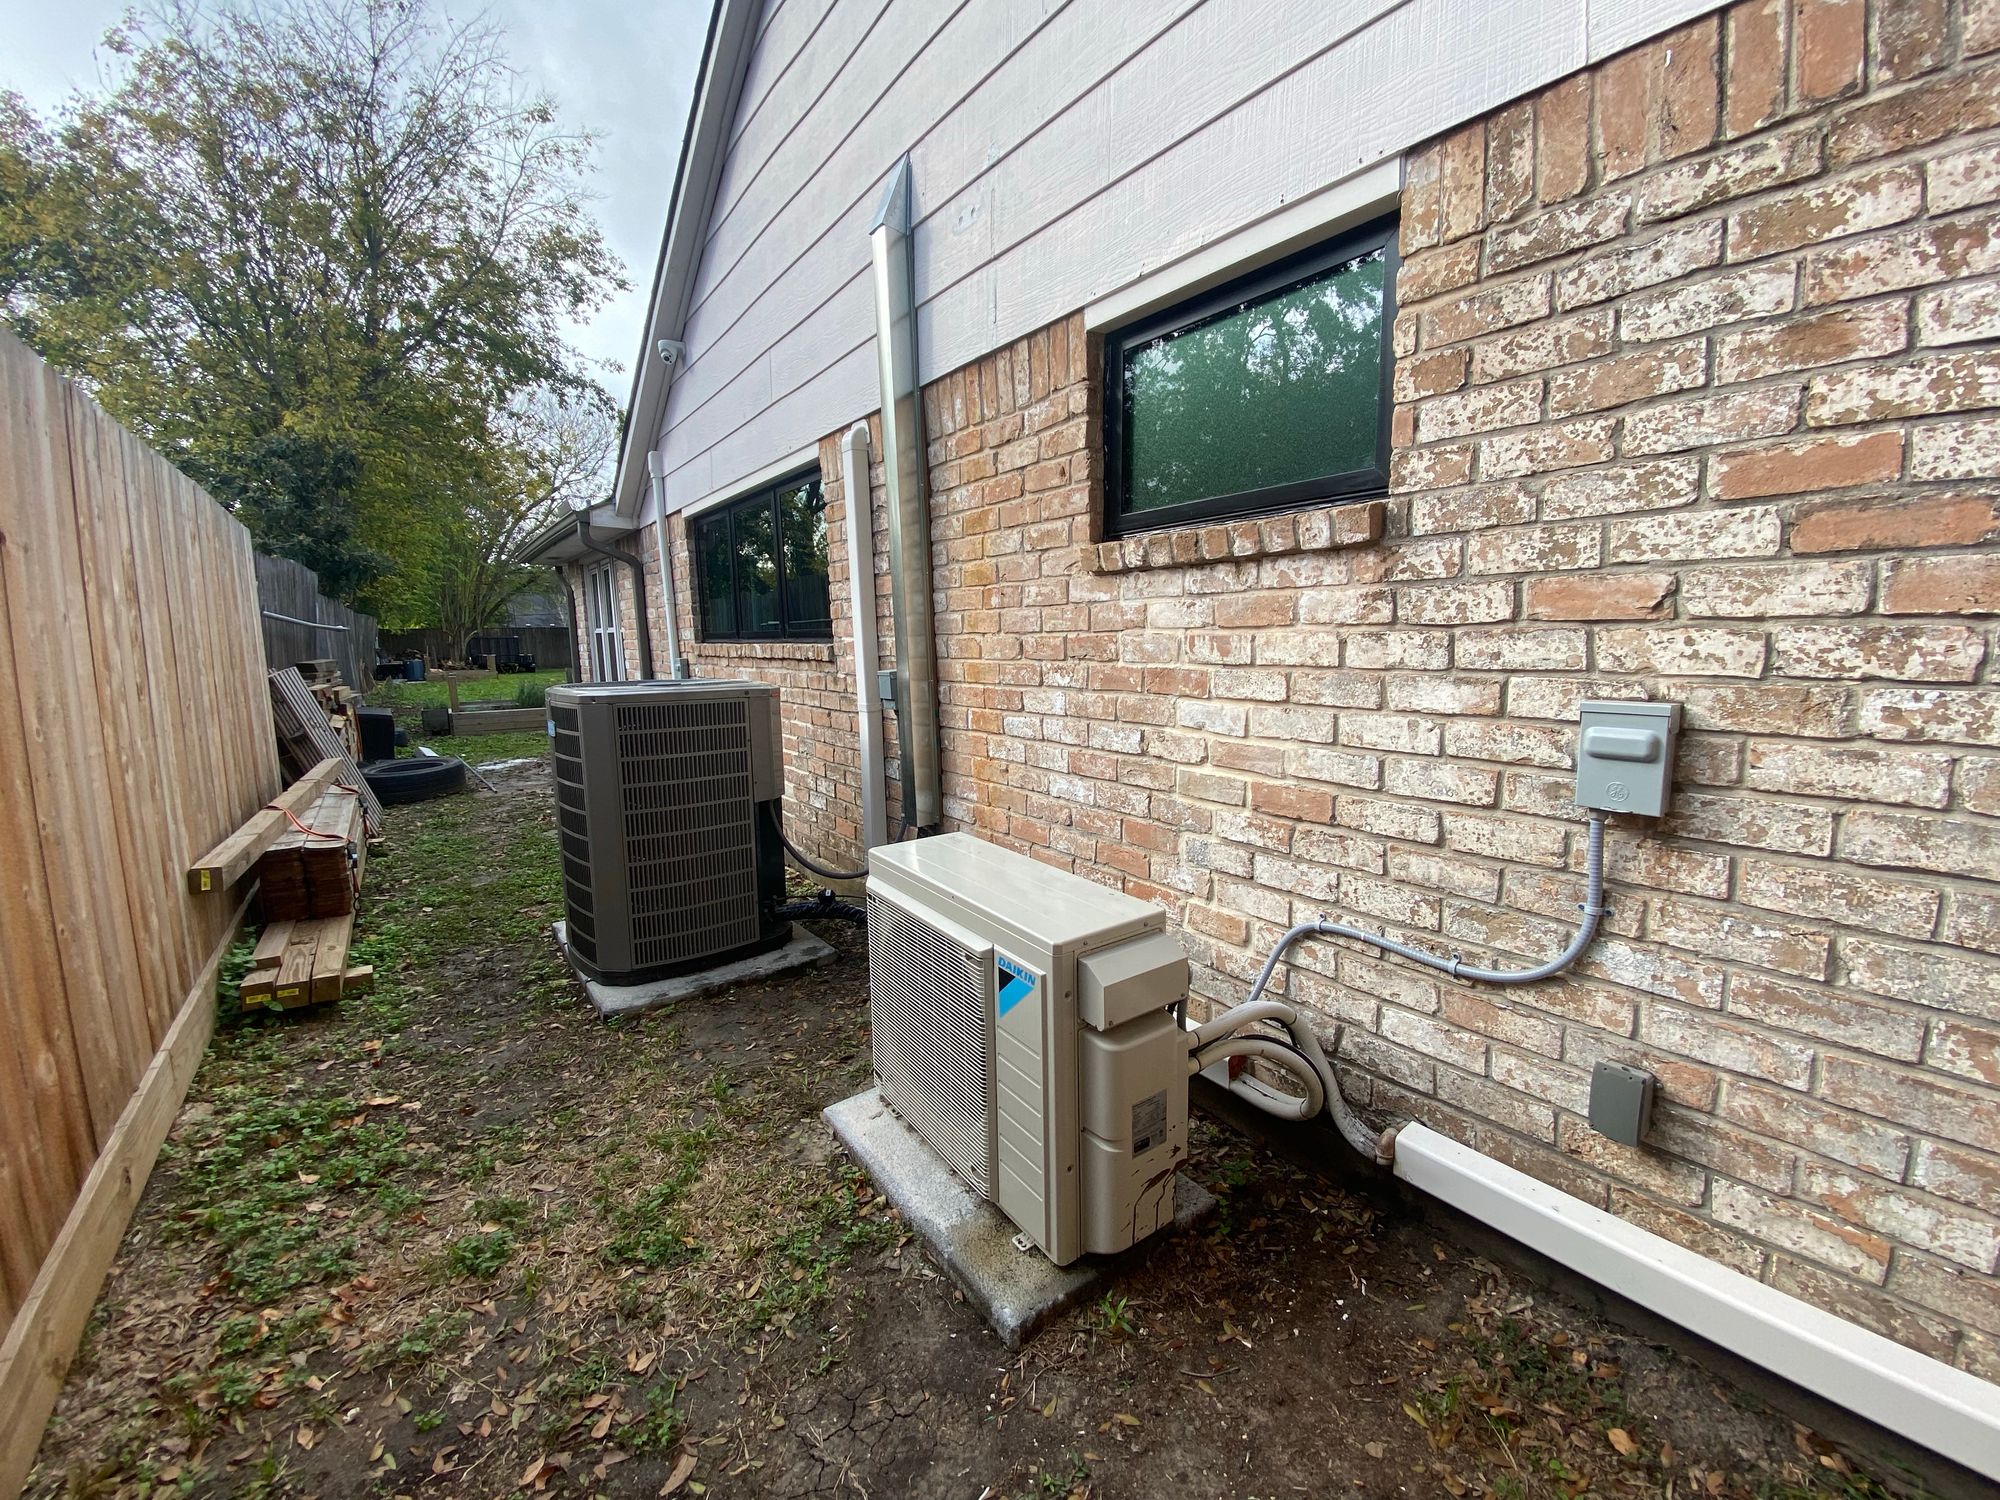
(760,565)
(1267,394)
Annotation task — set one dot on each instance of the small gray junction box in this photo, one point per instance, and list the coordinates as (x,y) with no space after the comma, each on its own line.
(1625,756)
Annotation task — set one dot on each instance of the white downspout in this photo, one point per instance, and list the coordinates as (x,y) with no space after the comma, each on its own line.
(669,601)
(861,596)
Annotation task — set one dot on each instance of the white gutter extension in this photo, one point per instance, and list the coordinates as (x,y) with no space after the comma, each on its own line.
(669,601)
(1923,1399)
(861,595)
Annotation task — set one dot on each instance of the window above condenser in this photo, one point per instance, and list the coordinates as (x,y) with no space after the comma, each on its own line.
(760,564)
(1266,393)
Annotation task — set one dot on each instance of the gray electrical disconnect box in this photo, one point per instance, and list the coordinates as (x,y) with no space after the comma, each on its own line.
(1621,1102)
(1625,756)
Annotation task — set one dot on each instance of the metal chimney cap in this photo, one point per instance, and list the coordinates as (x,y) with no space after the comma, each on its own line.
(894,212)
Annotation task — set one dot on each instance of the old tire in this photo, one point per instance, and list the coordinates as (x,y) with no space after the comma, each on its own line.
(416,778)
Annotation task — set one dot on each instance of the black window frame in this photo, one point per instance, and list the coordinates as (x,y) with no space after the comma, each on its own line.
(1263,284)
(766,498)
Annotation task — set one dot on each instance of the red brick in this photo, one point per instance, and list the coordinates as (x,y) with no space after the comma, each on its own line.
(1633,267)
(1562,140)
(1909,653)
(1942,108)
(1766,162)
(1689,89)
(1753,92)
(1631,377)
(1942,586)
(1822,339)
(1956,450)
(1922,521)
(1624,112)
(1761,411)
(1462,187)
(1562,230)
(1825,211)
(1827,463)
(1913,37)
(1510,162)
(1432,273)
(1421,222)
(1829,47)
(1540,346)
(1606,596)
(1920,387)
(1924,255)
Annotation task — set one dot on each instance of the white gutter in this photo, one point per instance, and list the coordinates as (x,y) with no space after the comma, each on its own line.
(669,602)
(1920,1398)
(861,594)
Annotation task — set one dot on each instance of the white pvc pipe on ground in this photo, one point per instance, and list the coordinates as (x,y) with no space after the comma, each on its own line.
(861,596)
(1920,1398)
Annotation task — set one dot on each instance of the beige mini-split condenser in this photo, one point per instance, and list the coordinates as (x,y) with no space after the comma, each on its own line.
(1024,1026)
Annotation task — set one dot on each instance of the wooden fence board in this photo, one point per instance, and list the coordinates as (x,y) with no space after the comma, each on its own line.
(135,732)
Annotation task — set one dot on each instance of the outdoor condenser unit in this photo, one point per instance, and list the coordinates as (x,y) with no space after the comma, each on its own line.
(671,862)
(1024,1027)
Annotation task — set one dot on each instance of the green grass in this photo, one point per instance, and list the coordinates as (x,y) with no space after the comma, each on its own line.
(480,749)
(406,698)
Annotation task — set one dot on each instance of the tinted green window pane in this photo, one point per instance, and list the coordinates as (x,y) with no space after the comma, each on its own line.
(717,592)
(1279,391)
(756,570)
(802,515)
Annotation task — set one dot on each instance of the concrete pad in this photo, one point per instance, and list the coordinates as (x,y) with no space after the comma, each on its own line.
(801,950)
(1017,1290)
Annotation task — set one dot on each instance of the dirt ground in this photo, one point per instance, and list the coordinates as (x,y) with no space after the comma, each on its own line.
(460,1238)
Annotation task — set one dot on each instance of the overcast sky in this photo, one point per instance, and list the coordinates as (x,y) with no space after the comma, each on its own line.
(622,69)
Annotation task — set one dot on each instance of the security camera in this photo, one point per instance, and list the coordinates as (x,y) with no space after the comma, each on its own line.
(672,352)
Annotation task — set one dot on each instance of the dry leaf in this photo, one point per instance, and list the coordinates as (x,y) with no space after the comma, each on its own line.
(1374,1450)
(1125,1419)
(683,1467)
(1622,1441)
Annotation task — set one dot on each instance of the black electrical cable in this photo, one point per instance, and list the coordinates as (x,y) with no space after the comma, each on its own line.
(825,904)
(810,866)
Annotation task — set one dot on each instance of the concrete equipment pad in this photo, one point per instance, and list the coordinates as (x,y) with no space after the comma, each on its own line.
(801,951)
(1017,1290)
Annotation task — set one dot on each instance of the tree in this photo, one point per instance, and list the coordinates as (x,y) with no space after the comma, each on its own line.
(316,253)
(555,456)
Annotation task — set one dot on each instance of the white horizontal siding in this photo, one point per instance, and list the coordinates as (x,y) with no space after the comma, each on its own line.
(1062,149)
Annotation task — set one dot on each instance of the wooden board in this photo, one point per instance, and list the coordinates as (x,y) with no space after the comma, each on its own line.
(128,634)
(42,1339)
(230,860)
(303,725)
(314,870)
(498,720)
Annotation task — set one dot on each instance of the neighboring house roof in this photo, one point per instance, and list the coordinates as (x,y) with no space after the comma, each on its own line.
(725,58)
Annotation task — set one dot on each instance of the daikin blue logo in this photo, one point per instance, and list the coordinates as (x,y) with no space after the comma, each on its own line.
(1016,982)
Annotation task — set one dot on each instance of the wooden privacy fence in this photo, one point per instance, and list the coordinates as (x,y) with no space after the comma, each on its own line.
(301,624)
(135,731)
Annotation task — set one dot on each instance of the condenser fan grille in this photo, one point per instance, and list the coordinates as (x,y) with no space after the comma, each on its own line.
(933,1055)
(688,826)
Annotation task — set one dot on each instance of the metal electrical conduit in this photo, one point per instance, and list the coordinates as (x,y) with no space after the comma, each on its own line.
(1306,1061)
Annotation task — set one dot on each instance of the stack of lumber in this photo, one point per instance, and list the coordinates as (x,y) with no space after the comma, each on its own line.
(307,849)
(306,736)
(314,870)
(304,963)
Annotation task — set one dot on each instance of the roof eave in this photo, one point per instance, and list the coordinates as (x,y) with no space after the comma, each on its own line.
(732,32)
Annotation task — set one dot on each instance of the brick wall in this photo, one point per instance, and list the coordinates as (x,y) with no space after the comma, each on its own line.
(1696,390)
(815,680)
